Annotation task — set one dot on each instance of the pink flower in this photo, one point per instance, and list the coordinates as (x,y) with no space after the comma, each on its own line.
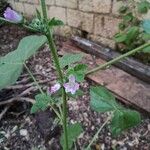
(12,15)
(54,88)
(72,86)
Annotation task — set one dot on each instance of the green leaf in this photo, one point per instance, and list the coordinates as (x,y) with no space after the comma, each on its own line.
(122,26)
(123,9)
(74,130)
(124,120)
(146,36)
(79,72)
(146,50)
(42,103)
(146,26)
(55,22)
(102,100)
(9,74)
(143,7)
(29,45)
(69,59)
(128,17)
(38,14)
(120,37)
(11,64)
(132,34)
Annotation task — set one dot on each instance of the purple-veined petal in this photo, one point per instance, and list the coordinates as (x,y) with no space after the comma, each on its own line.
(71,86)
(67,87)
(12,15)
(54,88)
(72,78)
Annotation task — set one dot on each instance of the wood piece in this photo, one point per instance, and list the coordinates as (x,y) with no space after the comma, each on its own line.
(129,65)
(127,88)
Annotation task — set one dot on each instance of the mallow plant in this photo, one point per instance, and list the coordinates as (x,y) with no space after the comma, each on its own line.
(70,75)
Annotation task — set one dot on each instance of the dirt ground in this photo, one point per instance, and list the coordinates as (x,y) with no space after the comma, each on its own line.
(19,130)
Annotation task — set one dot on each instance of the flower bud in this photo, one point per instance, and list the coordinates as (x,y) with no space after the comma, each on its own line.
(12,15)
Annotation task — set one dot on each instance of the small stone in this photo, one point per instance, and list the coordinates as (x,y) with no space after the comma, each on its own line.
(148,127)
(92,128)
(102,146)
(121,143)
(114,142)
(23,132)
(14,129)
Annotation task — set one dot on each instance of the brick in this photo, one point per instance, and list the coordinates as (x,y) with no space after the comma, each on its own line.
(19,7)
(58,12)
(29,9)
(102,6)
(50,2)
(12,3)
(98,6)
(65,31)
(116,6)
(106,26)
(86,5)
(33,1)
(73,18)
(80,20)
(67,3)
(87,22)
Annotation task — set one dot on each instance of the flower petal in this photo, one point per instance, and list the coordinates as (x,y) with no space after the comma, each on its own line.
(12,15)
(71,86)
(72,78)
(55,88)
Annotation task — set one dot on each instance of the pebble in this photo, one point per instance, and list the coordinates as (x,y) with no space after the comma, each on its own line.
(23,132)
(148,127)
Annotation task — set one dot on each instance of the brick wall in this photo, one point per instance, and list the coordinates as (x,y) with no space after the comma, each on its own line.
(96,19)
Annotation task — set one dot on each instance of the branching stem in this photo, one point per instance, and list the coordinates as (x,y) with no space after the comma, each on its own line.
(97,133)
(59,71)
(115,60)
(31,75)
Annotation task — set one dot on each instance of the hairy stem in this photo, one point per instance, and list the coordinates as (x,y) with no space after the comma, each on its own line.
(31,75)
(103,66)
(37,84)
(56,60)
(60,74)
(57,113)
(44,10)
(97,133)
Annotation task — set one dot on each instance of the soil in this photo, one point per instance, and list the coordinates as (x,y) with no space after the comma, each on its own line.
(19,130)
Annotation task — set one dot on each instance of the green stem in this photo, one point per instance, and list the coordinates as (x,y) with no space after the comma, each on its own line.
(64,97)
(97,133)
(103,66)
(57,113)
(44,10)
(60,110)
(37,84)
(20,24)
(30,73)
(60,74)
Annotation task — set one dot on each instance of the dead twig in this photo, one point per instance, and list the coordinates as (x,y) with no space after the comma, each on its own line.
(21,99)
(27,75)
(30,100)
(29,90)
(4,112)
(26,85)
(24,80)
